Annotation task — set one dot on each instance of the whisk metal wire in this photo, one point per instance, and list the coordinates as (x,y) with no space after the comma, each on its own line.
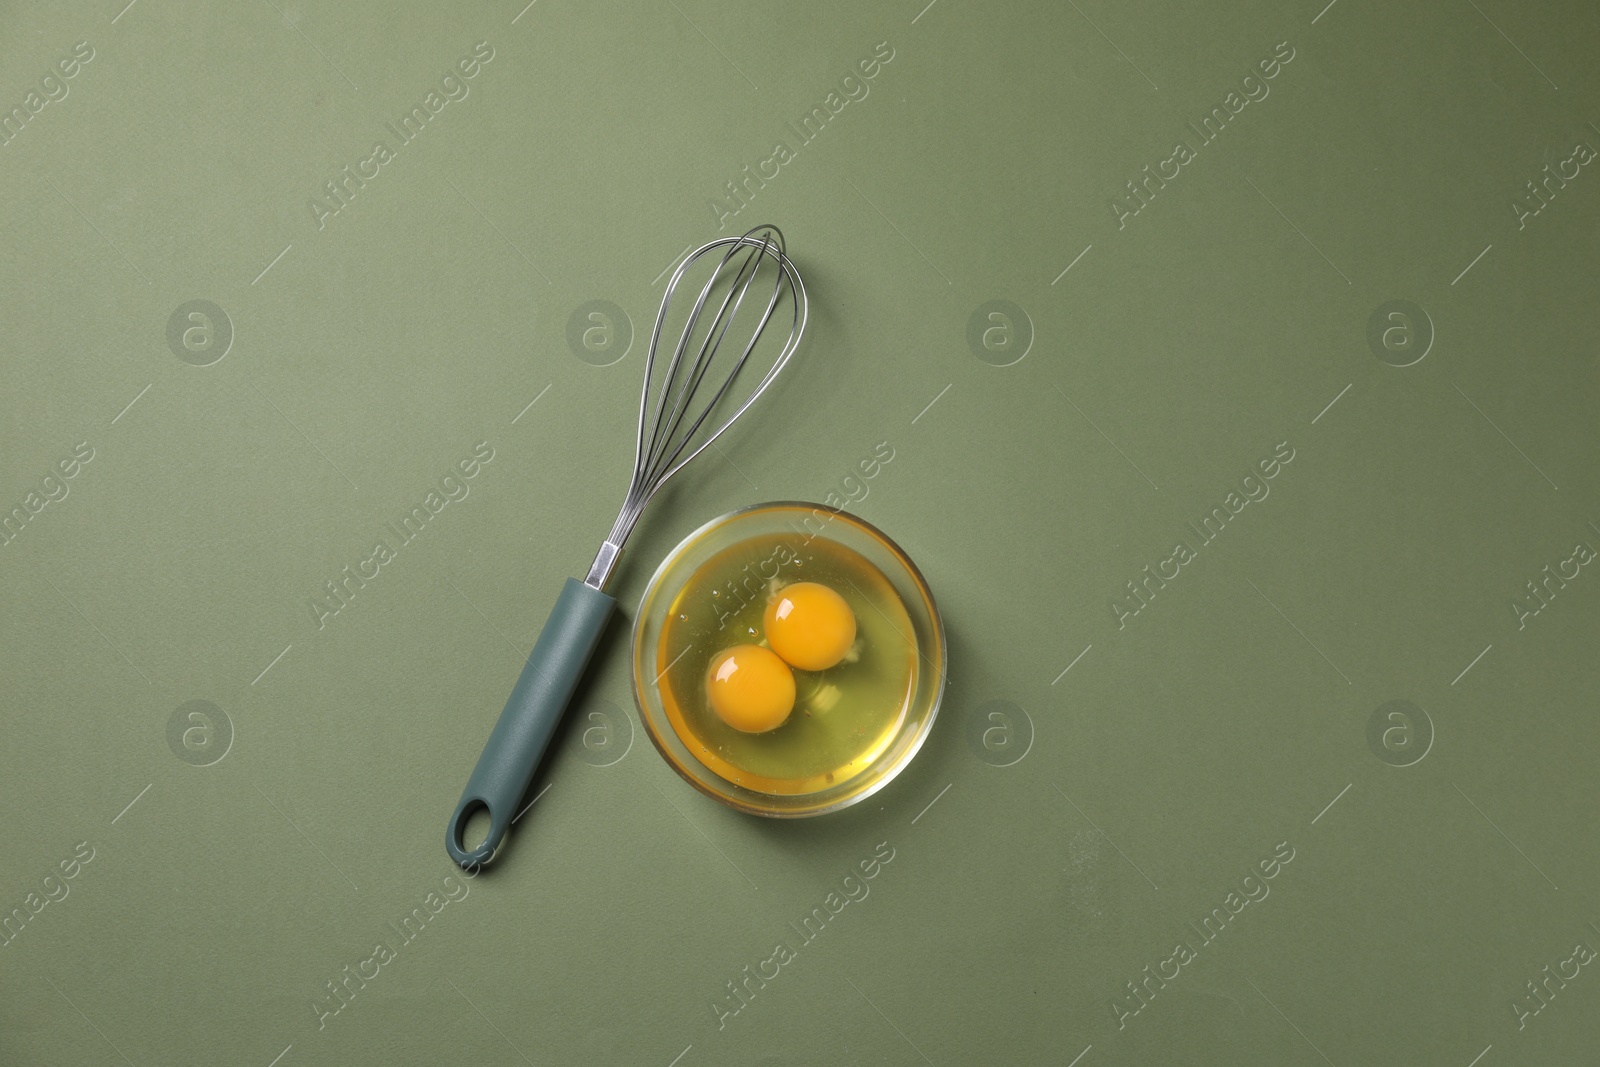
(659,449)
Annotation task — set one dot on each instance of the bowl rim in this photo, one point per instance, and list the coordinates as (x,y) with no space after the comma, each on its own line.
(734,800)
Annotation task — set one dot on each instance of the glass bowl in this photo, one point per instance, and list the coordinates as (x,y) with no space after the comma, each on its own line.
(797,525)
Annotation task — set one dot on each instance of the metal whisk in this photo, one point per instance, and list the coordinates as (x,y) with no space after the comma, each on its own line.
(673,429)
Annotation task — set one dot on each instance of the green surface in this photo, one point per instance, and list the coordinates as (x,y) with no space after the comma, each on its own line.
(241,852)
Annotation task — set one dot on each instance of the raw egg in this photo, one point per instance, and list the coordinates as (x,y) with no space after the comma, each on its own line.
(810,626)
(844,718)
(750,688)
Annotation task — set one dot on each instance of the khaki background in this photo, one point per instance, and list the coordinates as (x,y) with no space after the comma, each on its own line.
(1139,787)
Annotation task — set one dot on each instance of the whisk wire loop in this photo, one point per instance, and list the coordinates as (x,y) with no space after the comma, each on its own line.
(709,348)
(668,438)
(663,431)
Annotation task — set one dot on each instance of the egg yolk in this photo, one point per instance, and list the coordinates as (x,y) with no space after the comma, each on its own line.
(750,688)
(810,626)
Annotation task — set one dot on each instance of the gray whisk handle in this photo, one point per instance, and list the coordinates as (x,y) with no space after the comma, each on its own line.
(534,709)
